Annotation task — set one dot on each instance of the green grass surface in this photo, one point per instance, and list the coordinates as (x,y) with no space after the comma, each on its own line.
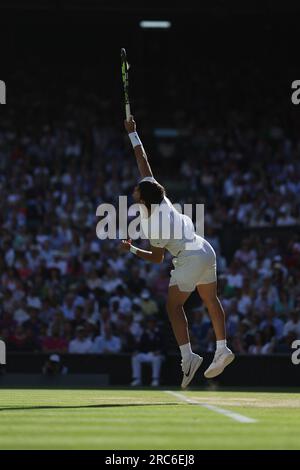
(146,419)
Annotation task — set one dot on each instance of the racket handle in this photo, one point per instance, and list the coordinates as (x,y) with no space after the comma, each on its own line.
(127,109)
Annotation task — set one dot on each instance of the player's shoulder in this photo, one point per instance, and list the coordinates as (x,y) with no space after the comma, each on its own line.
(149,179)
(169,203)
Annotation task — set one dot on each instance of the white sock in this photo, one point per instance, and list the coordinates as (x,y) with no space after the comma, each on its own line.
(186,351)
(222,344)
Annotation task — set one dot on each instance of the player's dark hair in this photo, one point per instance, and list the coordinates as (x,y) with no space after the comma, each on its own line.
(151,193)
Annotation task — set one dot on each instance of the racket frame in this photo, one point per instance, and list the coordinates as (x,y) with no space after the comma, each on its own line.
(125,79)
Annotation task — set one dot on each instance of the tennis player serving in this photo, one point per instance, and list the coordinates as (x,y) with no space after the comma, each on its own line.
(194,263)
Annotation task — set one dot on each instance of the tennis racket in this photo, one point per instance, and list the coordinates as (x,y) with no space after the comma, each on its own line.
(125,68)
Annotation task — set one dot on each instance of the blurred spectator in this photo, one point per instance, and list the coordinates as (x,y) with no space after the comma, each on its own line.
(54,342)
(22,339)
(272,320)
(128,339)
(232,318)
(107,343)
(199,326)
(68,307)
(124,303)
(149,350)
(293,325)
(81,344)
(285,346)
(234,276)
(148,305)
(263,342)
(53,366)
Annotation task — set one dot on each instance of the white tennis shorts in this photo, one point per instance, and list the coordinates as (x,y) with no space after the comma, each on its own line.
(193,269)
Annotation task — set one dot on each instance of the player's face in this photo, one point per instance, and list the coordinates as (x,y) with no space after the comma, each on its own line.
(136,194)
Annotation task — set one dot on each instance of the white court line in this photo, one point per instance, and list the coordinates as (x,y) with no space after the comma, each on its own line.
(230,414)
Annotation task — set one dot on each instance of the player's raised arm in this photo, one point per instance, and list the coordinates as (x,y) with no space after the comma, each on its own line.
(139,151)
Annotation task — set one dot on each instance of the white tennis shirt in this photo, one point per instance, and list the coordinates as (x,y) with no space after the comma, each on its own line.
(168,228)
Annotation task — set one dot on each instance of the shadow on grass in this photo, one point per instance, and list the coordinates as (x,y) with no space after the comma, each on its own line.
(105,405)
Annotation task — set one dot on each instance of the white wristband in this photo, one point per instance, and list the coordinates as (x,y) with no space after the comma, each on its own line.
(133,249)
(134,138)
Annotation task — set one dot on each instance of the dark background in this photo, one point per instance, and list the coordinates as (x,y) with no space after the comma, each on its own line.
(224,40)
(238,56)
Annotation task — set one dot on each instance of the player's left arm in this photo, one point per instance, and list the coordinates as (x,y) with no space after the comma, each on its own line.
(139,151)
(156,255)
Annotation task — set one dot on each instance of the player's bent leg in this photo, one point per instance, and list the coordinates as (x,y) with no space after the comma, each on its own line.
(190,361)
(208,293)
(175,302)
(223,355)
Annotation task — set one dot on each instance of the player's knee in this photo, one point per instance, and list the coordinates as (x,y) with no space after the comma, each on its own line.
(173,308)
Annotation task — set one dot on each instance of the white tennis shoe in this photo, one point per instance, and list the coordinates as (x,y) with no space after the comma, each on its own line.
(221,360)
(189,368)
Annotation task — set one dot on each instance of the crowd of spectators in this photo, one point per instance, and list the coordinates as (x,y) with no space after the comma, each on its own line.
(64,290)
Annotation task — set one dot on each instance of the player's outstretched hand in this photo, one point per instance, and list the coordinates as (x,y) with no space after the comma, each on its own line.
(130,125)
(125,245)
